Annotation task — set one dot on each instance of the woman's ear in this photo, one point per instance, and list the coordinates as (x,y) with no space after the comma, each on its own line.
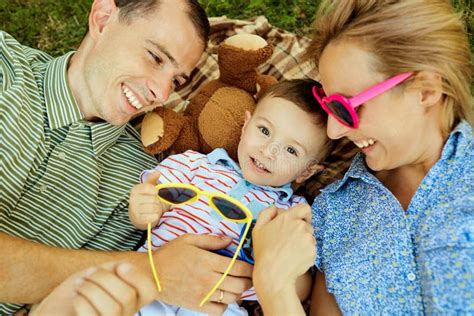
(100,15)
(309,171)
(430,86)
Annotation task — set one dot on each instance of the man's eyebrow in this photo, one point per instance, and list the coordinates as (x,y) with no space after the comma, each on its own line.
(170,57)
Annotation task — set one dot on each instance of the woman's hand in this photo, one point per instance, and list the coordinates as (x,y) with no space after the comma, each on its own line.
(284,249)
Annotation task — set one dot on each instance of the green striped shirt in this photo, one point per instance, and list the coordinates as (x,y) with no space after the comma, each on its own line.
(64,181)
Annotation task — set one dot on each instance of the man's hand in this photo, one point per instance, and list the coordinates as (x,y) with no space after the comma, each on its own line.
(144,205)
(188,271)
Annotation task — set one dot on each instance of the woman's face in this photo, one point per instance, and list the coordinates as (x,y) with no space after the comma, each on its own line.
(395,130)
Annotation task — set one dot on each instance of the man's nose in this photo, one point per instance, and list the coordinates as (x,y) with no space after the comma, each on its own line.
(160,89)
(336,130)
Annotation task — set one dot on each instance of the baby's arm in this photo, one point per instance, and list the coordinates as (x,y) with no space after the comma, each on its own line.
(144,205)
(303,286)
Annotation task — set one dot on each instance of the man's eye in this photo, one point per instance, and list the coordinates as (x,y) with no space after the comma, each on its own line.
(156,58)
(292,151)
(264,130)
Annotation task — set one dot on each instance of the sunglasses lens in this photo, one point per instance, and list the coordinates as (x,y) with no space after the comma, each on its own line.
(247,247)
(340,111)
(176,195)
(228,209)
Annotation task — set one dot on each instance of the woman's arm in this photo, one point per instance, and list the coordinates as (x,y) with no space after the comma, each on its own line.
(323,302)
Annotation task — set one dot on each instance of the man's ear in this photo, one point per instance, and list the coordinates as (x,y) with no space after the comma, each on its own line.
(100,15)
(430,86)
(309,171)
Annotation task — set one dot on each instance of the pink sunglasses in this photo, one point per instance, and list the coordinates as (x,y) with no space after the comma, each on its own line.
(343,109)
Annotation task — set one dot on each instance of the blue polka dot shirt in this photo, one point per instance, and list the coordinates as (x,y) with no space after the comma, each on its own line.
(380,259)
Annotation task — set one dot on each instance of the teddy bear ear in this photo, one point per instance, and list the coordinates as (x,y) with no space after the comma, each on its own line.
(263,83)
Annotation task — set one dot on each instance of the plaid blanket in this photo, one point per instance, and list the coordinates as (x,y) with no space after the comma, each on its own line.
(286,63)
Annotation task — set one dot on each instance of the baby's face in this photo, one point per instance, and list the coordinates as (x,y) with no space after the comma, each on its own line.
(279,143)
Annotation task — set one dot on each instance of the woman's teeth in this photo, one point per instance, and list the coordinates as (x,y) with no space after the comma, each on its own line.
(365,143)
(131,98)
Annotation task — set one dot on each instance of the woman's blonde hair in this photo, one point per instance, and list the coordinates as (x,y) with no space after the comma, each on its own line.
(409,35)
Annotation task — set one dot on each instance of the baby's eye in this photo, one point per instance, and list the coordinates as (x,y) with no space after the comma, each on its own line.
(264,130)
(292,151)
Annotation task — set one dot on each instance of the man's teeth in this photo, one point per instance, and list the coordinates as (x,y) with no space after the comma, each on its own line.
(131,98)
(365,143)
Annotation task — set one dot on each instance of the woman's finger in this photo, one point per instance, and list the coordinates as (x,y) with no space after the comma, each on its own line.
(266,216)
(82,307)
(301,211)
(99,298)
(118,289)
(143,285)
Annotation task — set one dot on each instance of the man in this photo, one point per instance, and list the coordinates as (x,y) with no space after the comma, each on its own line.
(69,158)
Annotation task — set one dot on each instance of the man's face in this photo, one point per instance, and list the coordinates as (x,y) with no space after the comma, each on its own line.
(133,66)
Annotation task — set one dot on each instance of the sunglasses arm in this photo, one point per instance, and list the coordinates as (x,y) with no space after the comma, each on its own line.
(150,258)
(242,239)
(378,89)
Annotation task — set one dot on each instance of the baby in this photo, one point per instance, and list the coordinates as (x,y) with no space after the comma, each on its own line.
(284,140)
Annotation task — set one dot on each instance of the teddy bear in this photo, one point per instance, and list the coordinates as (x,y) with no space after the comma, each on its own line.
(215,114)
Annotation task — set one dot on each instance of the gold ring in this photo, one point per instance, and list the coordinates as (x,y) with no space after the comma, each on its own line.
(221,297)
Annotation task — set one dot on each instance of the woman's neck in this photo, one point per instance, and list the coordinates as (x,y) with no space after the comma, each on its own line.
(402,182)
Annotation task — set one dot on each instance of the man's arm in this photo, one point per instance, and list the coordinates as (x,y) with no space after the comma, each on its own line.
(30,271)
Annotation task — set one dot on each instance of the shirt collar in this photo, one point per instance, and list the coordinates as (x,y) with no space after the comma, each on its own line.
(104,135)
(458,142)
(61,106)
(220,156)
(63,109)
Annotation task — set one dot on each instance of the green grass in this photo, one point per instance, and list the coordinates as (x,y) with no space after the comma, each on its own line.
(58,26)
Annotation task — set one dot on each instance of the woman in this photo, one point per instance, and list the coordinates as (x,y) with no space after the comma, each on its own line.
(396,234)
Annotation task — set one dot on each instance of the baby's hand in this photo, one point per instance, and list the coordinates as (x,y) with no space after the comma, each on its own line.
(144,205)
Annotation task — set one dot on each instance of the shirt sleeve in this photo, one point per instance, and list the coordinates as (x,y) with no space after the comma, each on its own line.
(318,210)
(180,168)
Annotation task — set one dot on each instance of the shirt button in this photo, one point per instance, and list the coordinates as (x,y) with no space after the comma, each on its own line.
(62,155)
(411,276)
(43,188)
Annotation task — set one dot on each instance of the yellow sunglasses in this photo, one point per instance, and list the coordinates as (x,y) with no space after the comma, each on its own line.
(228,207)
